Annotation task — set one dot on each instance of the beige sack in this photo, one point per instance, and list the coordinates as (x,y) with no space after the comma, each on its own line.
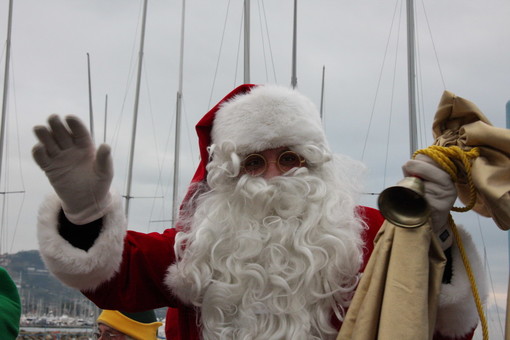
(460,122)
(398,294)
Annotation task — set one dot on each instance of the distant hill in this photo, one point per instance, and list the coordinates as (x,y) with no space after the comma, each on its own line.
(42,294)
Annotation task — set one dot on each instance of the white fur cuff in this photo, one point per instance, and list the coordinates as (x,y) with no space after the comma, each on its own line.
(457,312)
(84,270)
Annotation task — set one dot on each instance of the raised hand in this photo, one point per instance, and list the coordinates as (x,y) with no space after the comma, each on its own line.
(440,193)
(80,175)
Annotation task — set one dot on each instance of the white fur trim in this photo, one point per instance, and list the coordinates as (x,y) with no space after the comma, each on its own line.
(177,284)
(84,270)
(268,117)
(457,312)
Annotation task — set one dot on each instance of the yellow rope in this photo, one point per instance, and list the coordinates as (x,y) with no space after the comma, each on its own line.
(444,156)
(472,279)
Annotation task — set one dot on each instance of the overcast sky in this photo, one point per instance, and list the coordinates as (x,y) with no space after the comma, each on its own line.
(463,46)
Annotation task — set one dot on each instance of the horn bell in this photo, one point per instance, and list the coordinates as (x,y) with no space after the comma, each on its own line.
(404,204)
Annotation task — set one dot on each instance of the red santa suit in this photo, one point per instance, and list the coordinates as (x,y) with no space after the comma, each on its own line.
(128,270)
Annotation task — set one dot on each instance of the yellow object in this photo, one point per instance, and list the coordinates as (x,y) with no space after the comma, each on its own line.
(135,329)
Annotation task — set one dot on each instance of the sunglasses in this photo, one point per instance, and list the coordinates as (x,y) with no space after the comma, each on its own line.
(255,164)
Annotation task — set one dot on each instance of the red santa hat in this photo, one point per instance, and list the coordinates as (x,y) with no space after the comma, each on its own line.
(256,118)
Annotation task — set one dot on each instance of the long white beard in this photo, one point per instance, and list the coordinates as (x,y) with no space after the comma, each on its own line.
(270,259)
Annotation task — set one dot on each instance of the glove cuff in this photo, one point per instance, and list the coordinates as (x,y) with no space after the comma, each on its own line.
(91,213)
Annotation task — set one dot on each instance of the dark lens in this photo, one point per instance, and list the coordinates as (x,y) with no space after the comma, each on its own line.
(254,164)
(289,160)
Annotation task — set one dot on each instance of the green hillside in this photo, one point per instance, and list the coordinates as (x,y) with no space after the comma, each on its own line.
(40,292)
(43,295)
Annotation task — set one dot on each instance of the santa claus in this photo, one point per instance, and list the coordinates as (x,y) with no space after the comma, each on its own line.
(270,241)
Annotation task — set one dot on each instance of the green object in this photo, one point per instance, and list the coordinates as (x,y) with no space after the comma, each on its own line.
(10,306)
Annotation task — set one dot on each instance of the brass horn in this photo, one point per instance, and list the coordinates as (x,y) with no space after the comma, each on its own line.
(404,204)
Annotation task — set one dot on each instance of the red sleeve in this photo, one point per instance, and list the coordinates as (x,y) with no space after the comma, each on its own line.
(139,284)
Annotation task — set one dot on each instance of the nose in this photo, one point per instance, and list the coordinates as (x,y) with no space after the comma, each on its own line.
(272,170)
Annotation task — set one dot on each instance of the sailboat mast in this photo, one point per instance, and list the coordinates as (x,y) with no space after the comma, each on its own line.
(507,317)
(6,83)
(246,41)
(322,90)
(105,117)
(294,48)
(178,121)
(411,78)
(135,114)
(91,114)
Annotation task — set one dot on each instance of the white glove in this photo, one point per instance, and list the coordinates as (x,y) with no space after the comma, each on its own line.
(80,176)
(440,193)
